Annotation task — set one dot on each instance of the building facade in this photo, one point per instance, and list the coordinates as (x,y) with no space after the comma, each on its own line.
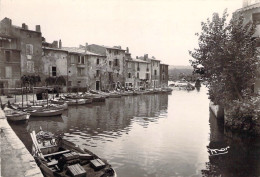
(97,67)
(251,13)
(164,76)
(54,60)
(115,62)
(21,52)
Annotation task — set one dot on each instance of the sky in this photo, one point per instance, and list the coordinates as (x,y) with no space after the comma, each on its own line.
(164,29)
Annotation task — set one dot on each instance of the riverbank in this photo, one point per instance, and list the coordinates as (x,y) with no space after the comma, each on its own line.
(15,158)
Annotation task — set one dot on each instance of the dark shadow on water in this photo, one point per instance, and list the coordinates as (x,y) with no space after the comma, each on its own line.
(243,155)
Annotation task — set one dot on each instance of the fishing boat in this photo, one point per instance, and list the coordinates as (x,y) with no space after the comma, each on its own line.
(15,115)
(58,157)
(45,112)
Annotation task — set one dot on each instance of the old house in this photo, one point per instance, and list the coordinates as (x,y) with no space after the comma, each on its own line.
(54,60)
(142,73)
(164,76)
(25,50)
(115,62)
(86,69)
(10,59)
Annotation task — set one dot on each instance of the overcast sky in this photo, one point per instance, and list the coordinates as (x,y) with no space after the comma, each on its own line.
(161,28)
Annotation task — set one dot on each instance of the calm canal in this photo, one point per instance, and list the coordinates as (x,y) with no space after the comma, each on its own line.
(153,135)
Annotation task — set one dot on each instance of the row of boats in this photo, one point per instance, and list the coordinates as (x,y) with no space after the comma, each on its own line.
(54,107)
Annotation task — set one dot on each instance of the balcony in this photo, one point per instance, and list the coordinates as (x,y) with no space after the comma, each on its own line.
(80,65)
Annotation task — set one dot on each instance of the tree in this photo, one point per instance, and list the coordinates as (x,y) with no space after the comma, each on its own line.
(228,54)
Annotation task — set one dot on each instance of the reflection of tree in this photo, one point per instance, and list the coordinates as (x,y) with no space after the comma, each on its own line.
(242,158)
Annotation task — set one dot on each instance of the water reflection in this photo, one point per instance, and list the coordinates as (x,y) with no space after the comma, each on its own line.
(242,158)
(154,135)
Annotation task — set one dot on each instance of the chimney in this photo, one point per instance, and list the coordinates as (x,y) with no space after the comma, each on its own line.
(26,27)
(86,47)
(23,25)
(245,3)
(136,57)
(60,44)
(43,39)
(38,28)
(127,50)
(145,57)
(55,44)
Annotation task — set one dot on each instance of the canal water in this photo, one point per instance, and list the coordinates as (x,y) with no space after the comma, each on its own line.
(156,135)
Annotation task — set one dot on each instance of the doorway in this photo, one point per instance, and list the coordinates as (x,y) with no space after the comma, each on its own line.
(97,85)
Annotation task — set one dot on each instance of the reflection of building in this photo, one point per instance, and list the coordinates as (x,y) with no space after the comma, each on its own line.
(251,12)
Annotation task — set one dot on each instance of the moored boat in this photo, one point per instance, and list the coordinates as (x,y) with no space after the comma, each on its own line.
(58,157)
(44,112)
(15,115)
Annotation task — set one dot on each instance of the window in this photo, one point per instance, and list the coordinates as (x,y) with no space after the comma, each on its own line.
(29,49)
(1,43)
(129,75)
(117,74)
(129,64)
(72,59)
(82,59)
(163,77)
(109,51)
(79,82)
(97,61)
(147,76)
(80,71)
(7,55)
(256,18)
(110,63)
(153,63)
(155,72)
(53,71)
(137,76)
(30,66)
(138,68)
(97,73)
(69,83)
(116,52)
(78,59)
(116,62)
(147,68)
(8,72)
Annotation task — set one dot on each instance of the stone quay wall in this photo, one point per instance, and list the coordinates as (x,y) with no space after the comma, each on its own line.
(15,159)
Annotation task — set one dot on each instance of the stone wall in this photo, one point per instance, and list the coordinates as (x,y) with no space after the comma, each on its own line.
(15,158)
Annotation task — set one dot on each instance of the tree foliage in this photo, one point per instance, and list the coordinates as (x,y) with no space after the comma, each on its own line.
(60,80)
(30,80)
(229,56)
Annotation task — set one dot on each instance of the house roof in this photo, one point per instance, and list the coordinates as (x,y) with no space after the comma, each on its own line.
(139,61)
(56,49)
(80,51)
(109,47)
(253,6)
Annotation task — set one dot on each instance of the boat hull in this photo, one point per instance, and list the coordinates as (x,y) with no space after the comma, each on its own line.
(46,113)
(18,117)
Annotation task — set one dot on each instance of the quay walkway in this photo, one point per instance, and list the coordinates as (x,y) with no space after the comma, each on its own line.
(15,159)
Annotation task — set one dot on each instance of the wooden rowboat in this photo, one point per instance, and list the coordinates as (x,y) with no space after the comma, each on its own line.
(58,157)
